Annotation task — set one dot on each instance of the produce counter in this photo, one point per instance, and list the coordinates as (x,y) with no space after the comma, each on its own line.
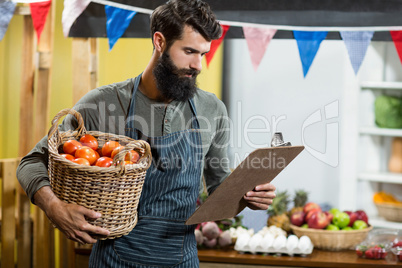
(210,258)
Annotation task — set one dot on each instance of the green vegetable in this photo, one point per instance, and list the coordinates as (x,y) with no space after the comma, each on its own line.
(388,112)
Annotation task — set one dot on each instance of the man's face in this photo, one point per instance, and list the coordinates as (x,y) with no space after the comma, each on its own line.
(177,69)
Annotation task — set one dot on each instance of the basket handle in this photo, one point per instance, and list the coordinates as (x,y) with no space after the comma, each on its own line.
(141,146)
(55,122)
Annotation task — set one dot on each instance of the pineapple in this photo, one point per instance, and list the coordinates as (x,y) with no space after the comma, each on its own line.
(277,211)
(299,201)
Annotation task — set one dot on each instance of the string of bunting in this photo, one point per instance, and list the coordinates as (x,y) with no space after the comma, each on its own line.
(258,36)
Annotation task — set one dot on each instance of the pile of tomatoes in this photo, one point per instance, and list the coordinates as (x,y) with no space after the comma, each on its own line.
(87,152)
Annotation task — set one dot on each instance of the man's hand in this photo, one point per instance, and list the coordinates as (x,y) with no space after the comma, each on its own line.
(261,197)
(69,218)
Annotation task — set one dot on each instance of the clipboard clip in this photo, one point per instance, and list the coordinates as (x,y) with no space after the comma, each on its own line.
(277,140)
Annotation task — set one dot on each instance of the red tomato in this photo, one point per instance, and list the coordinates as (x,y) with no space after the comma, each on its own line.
(108,148)
(133,156)
(70,146)
(104,161)
(116,151)
(90,141)
(68,156)
(128,162)
(87,153)
(81,161)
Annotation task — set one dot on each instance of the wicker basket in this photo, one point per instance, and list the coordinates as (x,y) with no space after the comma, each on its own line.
(390,212)
(114,191)
(333,240)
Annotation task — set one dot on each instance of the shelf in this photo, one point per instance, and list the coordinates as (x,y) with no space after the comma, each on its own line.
(381,223)
(381,85)
(381,131)
(386,177)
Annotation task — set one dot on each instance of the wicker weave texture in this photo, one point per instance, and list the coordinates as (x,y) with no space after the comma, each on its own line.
(113,191)
(390,212)
(333,240)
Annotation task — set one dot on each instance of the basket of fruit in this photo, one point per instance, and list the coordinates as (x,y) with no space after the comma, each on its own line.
(388,206)
(330,230)
(100,171)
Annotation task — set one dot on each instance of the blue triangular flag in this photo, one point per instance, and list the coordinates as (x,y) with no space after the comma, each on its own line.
(6,13)
(117,21)
(357,43)
(308,44)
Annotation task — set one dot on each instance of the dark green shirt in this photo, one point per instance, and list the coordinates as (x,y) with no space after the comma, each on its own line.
(106,109)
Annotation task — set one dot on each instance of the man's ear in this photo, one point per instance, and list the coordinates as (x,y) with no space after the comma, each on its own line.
(159,42)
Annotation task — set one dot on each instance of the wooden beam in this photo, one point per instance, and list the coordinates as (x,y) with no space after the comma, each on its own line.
(44,246)
(26,143)
(8,224)
(83,65)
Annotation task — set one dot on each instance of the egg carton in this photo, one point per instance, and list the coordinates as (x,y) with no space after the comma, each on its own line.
(304,248)
(272,250)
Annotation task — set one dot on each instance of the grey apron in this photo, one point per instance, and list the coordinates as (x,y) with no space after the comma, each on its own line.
(170,191)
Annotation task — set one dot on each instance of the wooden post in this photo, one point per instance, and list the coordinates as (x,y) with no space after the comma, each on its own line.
(26,143)
(84,66)
(44,253)
(8,224)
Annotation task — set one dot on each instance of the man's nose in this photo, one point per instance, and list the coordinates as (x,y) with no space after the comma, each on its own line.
(196,64)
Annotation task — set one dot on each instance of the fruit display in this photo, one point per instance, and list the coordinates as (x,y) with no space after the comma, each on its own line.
(396,248)
(312,216)
(87,152)
(273,240)
(277,211)
(389,207)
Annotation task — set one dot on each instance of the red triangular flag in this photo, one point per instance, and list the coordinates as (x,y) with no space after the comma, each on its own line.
(215,44)
(397,38)
(39,11)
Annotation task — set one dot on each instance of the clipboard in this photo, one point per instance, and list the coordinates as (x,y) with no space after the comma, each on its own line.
(260,167)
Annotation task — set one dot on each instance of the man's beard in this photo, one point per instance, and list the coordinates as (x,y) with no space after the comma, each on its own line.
(171,81)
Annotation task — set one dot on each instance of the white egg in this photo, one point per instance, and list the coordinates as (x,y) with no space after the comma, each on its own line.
(242,240)
(254,242)
(267,241)
(304,243)
(279,242)
(292,243)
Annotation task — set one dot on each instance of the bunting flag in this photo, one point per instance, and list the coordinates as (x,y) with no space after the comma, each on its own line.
(72,9)
(397,38)
(257,41)
(39,11)
(308,44)
(117,21)
(6,13)
(215,44)
(357,43)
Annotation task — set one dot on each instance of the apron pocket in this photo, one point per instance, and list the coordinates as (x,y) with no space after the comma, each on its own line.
(152,242)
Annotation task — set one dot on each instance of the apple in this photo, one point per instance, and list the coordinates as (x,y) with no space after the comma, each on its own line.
(352,216)
(341,219)
(334,211)
(318,220)
(329,215)
(359,224)
(297,218)
(304,226)
(310,213)
(332,227)
(309,206)
(361,215)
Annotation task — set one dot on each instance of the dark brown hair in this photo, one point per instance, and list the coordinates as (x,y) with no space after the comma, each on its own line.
(170,19)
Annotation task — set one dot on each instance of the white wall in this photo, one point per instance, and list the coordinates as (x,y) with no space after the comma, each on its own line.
(277,98)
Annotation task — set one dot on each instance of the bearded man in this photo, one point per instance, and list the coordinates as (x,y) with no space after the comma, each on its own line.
(187,129)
